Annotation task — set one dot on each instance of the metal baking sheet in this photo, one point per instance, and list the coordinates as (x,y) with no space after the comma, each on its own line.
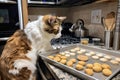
(81,74)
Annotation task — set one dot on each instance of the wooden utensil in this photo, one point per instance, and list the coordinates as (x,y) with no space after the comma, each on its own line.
(113,27)
(109,22)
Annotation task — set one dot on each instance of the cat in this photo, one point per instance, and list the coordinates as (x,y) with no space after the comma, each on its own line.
(19,56)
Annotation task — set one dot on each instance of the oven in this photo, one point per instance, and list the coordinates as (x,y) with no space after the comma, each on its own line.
(42,1)
(9,20)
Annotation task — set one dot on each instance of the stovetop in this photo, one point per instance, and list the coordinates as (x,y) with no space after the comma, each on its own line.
(68,39)
(65,40)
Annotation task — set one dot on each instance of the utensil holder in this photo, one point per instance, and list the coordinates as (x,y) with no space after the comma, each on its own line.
(116,41)
(108,36)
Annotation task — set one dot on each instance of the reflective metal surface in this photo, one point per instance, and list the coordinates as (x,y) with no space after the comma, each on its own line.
(81,74)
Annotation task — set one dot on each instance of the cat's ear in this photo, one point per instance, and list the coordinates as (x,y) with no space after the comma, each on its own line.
(61,18)
(51,19)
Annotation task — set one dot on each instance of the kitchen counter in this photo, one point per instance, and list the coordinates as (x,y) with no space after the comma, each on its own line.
(63,75)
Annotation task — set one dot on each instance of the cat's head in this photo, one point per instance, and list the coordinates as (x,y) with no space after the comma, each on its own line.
(52,25)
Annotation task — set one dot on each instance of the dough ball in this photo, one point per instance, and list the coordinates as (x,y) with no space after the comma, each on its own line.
(97,64)
(79,67)
(67,55)
(63,57)
(69,63)
(89,72)
(73,60)
(117,59)
(107,72)
(82,63)
(62,53)
(83,50)
(79,52)
(99,55)
(77,48)
(92,53)
(103,59)
(97,68)
(73,50)
(72,54)
(88,54)
(57,59)
(114,62)
(82,57)
(106,66)
(67,52)
(63,61)
(90,66)
(51,57)
(95,57)
(107,57)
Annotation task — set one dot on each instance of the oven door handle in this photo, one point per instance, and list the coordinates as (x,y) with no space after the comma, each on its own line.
(4,39)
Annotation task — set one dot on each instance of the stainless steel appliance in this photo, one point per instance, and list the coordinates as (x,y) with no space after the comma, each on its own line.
(9,19)
(80,73)
(79,29)
(42,1)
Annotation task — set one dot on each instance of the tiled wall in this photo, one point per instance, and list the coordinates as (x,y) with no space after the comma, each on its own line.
(83,12)
(34,12)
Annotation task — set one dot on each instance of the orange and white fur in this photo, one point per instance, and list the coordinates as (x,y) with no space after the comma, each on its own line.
(18,60)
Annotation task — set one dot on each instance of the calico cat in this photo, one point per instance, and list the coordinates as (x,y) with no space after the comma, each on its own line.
(19,56)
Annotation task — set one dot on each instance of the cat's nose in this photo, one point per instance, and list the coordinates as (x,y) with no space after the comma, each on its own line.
(56,31)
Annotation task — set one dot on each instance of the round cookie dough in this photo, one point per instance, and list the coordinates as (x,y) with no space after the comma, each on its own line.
(90,66)
(83,50)
(79,67)
(72,54)
(67,52)
(114,62)
(79,52)
(97,68)
(69,63)
(88,54)
(51,57)
(77,48)
(107,57)
(73,60)
(63,61)
(63,57)
(105,66)
(97,64)
(92,53)
(73,50)
(107,72)
(57,59)
(67,55)
(89,72)
(99,55)
(103,59)
(82,57)
(95,57)
(82,63)
(117,59)
(62,53)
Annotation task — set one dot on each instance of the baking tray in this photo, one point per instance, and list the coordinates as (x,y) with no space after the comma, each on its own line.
(81,74)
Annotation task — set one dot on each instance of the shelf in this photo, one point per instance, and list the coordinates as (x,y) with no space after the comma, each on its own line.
(8,2)
(61,3)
